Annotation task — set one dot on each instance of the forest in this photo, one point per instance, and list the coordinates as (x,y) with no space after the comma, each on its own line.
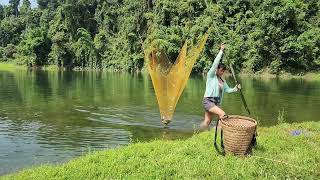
(273,35)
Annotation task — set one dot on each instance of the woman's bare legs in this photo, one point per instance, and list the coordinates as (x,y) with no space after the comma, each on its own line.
(208,116)
(218,111)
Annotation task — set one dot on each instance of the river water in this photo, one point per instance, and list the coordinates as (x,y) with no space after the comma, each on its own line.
(53,116)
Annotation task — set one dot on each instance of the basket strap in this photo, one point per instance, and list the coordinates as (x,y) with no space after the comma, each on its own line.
(215,139)
(254,138)
(221,139)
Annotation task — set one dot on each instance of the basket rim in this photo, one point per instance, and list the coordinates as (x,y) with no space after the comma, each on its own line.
(223,121)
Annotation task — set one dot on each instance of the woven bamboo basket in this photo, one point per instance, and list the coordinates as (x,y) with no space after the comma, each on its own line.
(238,132)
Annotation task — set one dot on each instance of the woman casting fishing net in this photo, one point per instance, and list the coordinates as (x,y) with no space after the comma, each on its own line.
(215,87)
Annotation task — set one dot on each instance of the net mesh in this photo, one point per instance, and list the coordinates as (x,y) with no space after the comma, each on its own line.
(169,79)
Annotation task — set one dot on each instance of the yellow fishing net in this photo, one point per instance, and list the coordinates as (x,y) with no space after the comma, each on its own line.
(169,79)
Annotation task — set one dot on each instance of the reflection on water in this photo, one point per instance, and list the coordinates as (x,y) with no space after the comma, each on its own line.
(54,116)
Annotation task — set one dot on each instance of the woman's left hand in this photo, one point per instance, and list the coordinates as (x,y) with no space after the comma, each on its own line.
(238,86)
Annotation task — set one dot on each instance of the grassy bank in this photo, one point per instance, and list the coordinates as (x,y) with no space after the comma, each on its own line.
(278,155)
(262,74)
(313,75)
(7,67)
(306,76)
(11,67)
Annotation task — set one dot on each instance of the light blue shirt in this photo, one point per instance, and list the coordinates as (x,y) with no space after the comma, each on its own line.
(212,84)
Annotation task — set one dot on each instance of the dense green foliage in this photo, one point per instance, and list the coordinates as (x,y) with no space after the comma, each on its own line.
(279,155)
(278,35)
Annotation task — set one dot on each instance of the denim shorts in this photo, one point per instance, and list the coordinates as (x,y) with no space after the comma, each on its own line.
(209,102)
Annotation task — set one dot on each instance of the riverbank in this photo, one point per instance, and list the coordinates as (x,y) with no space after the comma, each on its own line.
(262,74)
(283,75)
(9,67)
(283,151)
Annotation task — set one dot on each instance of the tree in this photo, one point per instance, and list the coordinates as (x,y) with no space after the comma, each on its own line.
(25,7)
(45,18)
(261,35)
(8,11)
(9,51)
(60,54)
(279,36)
(101,43)
(10,30)
(1,12)
(14,4)
(43,4)
(61,35)
(34,48)
(84,49)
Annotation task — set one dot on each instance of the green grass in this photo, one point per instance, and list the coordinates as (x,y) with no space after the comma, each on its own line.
(265,74)
(11,67)
(312,76)
(279,155)
(7,67)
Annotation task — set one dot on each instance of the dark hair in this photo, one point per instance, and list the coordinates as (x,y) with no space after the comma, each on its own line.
(223,66)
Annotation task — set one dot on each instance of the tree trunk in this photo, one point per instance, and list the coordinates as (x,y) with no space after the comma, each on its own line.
(150,4)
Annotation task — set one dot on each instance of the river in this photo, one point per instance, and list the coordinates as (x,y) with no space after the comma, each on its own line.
(53,116)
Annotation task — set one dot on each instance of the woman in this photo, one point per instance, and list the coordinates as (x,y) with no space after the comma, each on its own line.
(215,87)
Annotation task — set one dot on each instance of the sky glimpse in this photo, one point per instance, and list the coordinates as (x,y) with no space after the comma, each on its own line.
(33,2)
